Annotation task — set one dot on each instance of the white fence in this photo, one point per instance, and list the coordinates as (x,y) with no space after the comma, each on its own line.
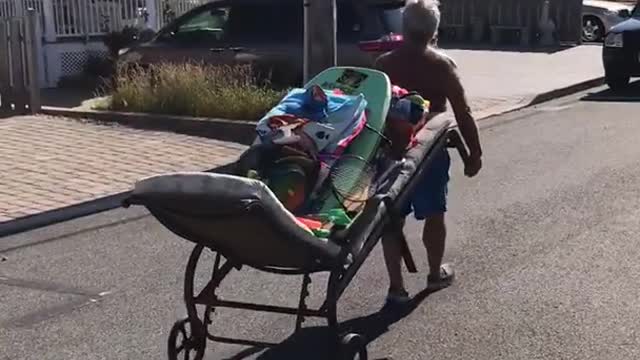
(18,8)
(19,68)
(69,30)
(84,18)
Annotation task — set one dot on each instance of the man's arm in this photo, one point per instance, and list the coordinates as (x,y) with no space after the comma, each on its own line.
(462,111)
(378,64)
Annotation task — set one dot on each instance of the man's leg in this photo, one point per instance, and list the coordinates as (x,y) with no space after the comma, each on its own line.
(393,259)
(392,250)
(434,235)
(432,206)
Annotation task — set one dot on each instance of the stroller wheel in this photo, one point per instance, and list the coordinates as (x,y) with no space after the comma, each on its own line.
(353,347)
(187,340)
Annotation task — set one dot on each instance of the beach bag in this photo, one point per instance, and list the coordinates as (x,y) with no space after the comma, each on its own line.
(406,116)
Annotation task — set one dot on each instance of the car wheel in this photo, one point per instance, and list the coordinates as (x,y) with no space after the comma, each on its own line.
(592,29)
(617,82)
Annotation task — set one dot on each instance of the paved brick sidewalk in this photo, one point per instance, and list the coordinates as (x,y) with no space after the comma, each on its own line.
(48,162)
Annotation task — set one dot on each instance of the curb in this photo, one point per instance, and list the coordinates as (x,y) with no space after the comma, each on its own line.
(240,130)
(539,99)
(568,90)
(91,207)
(530,101)
(63,214)
(237,131)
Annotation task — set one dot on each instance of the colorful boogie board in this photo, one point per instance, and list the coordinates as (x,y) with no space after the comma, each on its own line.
(376,88)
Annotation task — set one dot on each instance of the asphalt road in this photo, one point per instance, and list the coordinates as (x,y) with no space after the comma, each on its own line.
(543,240)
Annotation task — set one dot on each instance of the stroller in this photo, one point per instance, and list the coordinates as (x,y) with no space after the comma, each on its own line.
(223,211)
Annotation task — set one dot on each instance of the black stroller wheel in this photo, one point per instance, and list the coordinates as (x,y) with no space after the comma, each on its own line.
(186,340)
(353,347)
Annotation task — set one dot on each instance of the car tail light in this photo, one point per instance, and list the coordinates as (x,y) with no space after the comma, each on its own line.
(385,43)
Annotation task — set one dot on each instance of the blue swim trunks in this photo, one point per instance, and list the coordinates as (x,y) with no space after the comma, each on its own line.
(430,195)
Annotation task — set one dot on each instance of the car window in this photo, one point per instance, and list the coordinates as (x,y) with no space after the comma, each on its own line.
(636,12)
(392,19)
(205,26)
(367,21)
(283,21)
(213,19)
(347,21)
(266,22)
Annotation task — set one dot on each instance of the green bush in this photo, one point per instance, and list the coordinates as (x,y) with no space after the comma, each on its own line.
(230,92)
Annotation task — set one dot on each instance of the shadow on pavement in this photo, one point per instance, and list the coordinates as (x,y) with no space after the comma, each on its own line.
(311,343)
(631,94)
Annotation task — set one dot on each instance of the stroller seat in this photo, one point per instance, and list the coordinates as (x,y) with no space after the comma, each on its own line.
(234,214)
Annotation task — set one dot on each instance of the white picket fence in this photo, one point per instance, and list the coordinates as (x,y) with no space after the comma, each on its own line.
(70,30)
(78,18)
(18,8)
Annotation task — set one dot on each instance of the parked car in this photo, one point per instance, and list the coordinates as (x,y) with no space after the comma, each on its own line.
(599,16)
(269,34)
(621,52)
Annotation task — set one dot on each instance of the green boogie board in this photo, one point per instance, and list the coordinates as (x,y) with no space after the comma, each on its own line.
(376,88)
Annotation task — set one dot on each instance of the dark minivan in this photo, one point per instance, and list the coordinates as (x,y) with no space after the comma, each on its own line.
(621,52)
(269,34)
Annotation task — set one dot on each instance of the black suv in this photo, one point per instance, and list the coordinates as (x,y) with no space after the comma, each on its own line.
(621,52)
(269,34)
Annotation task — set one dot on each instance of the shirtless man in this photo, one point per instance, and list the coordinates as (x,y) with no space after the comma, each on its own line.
(418,66)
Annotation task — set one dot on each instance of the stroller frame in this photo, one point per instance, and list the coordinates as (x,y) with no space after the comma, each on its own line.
(194,330)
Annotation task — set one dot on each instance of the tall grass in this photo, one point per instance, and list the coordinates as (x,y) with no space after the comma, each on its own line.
(230,92)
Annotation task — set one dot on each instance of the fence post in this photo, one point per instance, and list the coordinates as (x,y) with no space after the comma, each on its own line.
(84,13)
(20,7)
(576,34)
(49,22)
(31,49)
(5,101)
(152,10)
(16,64)
(477,20)
(546,25)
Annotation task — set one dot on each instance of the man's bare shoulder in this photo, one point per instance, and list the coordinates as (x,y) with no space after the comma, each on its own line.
(440,58)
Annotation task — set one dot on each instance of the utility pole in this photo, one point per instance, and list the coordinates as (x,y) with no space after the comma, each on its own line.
(320,50)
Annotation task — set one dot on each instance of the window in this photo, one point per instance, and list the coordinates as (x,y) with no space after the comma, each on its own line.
(393,20)
(348,24)
(362,21)
(205,26)
(209,20)
(266,21)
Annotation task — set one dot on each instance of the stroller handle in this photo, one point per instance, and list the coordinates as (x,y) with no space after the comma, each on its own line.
(455,141)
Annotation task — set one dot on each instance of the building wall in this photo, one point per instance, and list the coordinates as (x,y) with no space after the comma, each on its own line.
(486,14)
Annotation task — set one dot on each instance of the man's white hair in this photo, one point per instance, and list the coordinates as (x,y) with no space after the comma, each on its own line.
(421,19)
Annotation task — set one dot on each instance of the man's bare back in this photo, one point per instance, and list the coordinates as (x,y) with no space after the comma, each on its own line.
(433,75)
